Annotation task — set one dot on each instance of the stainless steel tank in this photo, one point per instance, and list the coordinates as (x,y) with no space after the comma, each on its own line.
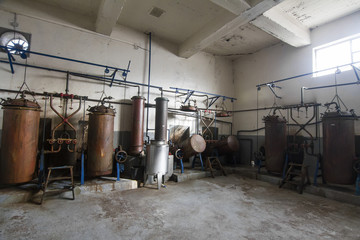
(100,141)
(338,147)
(19,141)
(157,158)
(157,152)
(275,143)
(137,134)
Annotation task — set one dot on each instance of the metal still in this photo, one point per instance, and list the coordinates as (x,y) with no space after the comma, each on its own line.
(339,147)
(19,140)
(275,143)
(137,134)
(157,152)
(100,141)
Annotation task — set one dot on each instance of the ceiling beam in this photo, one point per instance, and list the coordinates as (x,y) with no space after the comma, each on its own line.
(284,27)
(108,14)
(234,6)
(219,27)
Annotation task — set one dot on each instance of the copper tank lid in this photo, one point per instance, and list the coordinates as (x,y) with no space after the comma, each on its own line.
(274,118)
(340,114)
(102,110)
(20,103)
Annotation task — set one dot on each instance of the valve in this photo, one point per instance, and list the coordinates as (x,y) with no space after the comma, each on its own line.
(68,141)
(61,99)
(60,141)
(120,155)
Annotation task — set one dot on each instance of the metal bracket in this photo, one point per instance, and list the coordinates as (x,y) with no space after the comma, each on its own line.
(356,74)
(113,76)
(213,100)
(189,93)
(10,57)
(271,87)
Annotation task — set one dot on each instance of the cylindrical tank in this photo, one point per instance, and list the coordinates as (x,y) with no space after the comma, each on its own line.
(338,147)
(161,118)
(19,141)
(157,154)
(100,141)
(137,134)
(193,145)
(224,146)
(275,143)
(228,145)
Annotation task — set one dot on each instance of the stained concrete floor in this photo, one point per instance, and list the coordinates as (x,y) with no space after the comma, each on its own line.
(229,207)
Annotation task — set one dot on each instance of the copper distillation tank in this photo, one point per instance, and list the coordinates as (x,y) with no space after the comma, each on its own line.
(137,133)
(275,143)
(100,140)
(19,140)
(339,147)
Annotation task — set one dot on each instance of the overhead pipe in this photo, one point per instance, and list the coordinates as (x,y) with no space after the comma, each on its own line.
(23,55)
(87,76)
(305,74)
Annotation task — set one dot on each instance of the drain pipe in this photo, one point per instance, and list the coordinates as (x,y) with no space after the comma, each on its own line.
(148,92)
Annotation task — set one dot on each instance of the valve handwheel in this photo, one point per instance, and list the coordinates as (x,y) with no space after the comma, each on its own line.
(120,156)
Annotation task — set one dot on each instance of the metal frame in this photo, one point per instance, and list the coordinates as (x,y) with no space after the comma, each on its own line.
(190,92)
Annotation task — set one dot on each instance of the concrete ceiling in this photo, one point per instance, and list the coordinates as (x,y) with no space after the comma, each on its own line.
(221,27)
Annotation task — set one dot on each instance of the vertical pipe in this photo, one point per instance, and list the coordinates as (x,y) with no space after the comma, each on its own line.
(82,180)
(42,154)
(148,92)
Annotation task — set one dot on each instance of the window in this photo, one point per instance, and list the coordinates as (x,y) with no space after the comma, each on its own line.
(335,54)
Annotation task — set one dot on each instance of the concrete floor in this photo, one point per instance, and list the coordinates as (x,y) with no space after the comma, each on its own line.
(222,208)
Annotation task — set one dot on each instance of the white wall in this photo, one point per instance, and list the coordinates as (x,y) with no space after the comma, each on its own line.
(59,36)
(281,61)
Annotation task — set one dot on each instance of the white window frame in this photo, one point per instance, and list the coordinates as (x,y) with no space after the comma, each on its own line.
(324,72)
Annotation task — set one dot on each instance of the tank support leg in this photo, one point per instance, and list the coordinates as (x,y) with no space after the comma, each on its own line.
(118,171)
(82,177)
(358,185)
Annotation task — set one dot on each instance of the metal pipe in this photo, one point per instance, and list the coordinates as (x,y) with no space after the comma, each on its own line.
(303,75)
(334,85)
(88,76)
(212,94)
(148,92)
(42,153)
(67,59)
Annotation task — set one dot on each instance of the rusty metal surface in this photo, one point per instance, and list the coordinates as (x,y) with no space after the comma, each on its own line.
(338,149)
(161,116)
(20,102)
(227,145)
(19,142)
(193,145)
(275,143)
(101,109)
(100,144)
(137,133)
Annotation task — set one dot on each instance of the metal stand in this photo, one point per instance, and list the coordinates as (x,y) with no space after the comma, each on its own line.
(181,164)
(201,161)
(66,188)
(358,185)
